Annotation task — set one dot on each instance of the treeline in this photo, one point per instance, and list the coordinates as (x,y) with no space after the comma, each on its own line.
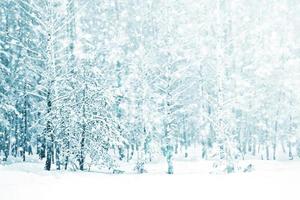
(87,82)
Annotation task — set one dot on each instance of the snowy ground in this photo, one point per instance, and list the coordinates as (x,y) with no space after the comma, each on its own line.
(276,180)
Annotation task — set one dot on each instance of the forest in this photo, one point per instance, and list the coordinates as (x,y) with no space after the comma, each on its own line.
(94,84)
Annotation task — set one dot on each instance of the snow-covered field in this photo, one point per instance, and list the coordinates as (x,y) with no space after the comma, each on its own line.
(192,180)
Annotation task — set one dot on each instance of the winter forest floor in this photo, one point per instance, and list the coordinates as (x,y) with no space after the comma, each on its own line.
(276,180)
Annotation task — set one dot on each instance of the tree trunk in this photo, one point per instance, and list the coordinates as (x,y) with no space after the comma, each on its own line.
(57,156)
(170,159)
(48,158)
(290,151)
(68,149)
(274,151)
(82,142)
(25,121)
(267,153)
(49,134)
(254,148)
(81,157)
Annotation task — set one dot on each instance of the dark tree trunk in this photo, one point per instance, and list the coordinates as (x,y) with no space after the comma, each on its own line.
(25,122)
(57,156)
(81,156)
(49,147)
(43,148)
(14,145)
(82,142)
(48,158)
(49,135)
(6,145)
(68,149)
